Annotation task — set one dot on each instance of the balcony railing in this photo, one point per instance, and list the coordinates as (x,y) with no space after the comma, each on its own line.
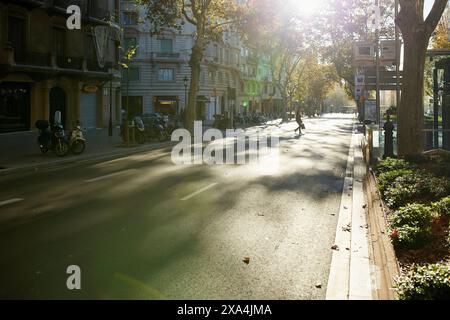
(64,4)
(28,3)
(166,55)
(65,62)
(88,8)
(92,65)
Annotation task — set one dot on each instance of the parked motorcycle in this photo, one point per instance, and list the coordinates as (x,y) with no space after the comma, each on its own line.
(53,138)
(155,127)
(77,142)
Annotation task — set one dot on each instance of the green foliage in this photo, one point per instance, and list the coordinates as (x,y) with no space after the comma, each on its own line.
(411,226)
(419,186)
(443,207)
(391,164)
(428,282)
(387,178)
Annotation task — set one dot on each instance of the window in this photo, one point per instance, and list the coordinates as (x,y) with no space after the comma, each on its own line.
(211,76)
(129,43)
(59,41)
(227,56)
(166,46)
(165,75)
(17,37)
(220,77)
(130,18)
(131,74)
(216,53)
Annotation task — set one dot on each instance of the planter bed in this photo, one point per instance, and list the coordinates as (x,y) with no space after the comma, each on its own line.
(416,203)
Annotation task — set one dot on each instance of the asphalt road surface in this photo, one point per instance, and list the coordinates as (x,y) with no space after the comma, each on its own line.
(140,227)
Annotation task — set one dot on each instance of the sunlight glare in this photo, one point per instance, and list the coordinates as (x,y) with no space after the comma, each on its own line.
(305,7)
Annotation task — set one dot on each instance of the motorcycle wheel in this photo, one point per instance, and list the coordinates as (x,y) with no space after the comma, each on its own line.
(61,148)
(78,147)
(44,149)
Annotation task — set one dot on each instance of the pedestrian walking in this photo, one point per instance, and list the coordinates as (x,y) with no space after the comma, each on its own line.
(298,119)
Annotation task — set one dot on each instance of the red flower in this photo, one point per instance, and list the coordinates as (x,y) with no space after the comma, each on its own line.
(394,234)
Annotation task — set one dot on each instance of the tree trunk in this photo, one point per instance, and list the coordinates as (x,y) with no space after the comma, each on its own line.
(410,122)
(416,34)
(194,63)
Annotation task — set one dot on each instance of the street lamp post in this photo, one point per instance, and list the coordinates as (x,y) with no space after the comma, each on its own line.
(185,91)
(185,94)
(110,128)
(215,102)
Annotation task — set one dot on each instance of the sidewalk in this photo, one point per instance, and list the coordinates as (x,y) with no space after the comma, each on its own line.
(20,150)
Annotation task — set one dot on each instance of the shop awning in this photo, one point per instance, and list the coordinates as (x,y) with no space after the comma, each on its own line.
(203,99)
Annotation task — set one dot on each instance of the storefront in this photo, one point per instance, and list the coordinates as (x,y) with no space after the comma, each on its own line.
(15,107)
(133,105)
(167,105)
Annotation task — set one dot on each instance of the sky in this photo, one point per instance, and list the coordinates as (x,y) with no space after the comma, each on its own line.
(309,7)
(428,5)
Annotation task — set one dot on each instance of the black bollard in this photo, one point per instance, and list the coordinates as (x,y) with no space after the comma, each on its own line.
(388,138)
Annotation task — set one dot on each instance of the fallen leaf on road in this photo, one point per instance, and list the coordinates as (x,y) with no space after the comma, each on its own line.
(246,260)
(335,247)
(347,228)
(318,285)
(364,206)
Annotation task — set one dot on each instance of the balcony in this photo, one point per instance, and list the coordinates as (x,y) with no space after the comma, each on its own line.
(166,55)
(252,59)
(98,13)
(65,62)
(89,9)
(29,4)
(92,65)
(64,4)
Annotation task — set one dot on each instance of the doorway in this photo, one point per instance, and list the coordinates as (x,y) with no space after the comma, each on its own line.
(58,103)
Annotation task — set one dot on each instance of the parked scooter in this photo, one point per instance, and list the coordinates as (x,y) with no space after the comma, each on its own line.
(77,142)
(53,138)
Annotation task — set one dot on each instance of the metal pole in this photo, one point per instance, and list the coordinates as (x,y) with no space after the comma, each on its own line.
(110,129)
(128,93)
(397,56)
(377,49)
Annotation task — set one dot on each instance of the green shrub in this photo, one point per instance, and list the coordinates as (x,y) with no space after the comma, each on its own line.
(387,178)
(411,226)
(419,186)
(391,164)
(429,282)
(443,207)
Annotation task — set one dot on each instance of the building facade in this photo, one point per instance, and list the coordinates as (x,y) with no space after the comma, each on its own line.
(158,77)
(45,67)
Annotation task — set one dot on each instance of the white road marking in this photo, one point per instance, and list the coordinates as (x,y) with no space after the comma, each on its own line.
(199,191)
(10,201)
(111,175)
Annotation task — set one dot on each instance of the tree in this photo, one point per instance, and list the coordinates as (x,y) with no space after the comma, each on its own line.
(283,37)
(210,18)
(345,22)
(416,32)
(441,38)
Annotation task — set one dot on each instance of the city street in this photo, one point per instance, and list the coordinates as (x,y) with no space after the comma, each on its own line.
(141,227)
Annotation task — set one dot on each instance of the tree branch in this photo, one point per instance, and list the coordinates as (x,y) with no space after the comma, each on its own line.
(435,15)
(186,16)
